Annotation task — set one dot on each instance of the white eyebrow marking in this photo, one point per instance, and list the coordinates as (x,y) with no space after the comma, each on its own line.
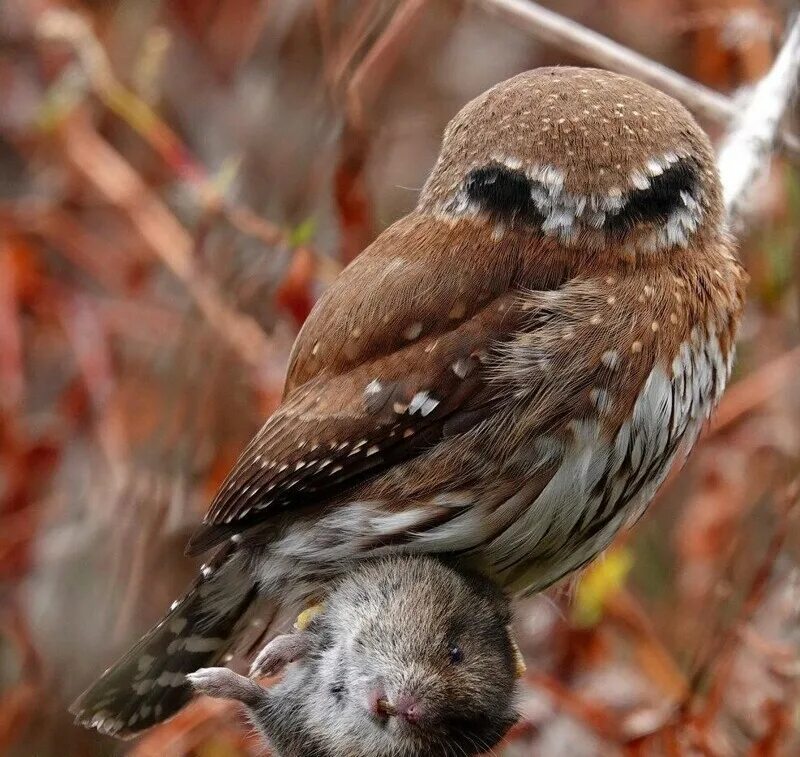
(654,167)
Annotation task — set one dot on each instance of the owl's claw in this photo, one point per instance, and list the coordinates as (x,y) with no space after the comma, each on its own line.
(519,661)
(304,618)
(222,683)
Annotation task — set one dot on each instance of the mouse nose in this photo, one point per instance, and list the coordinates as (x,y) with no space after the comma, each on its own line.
(408,708)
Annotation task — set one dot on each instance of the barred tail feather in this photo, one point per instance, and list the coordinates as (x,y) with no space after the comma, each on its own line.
(148,685)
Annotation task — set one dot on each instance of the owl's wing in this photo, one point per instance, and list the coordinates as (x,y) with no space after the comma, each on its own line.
(393,358)
(335,431)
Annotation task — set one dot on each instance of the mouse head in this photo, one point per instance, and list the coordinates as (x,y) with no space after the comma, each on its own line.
(420,658)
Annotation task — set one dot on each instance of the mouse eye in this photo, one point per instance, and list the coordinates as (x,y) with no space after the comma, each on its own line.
(456,653)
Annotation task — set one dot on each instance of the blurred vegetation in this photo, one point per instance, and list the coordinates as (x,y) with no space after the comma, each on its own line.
(179,180)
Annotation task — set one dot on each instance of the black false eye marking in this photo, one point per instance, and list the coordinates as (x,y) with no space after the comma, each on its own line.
(656,203)
(503,193)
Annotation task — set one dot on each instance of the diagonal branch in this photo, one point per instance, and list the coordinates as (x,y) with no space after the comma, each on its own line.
(747,146)
(563,33)
(113,178)
(73,29)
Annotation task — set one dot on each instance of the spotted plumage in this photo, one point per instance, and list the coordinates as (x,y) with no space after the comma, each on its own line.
(505,374)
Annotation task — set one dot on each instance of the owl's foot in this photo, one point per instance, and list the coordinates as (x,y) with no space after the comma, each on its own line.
(519,661)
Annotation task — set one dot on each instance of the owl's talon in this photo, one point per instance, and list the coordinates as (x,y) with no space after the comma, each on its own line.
(304,618)
(519,661)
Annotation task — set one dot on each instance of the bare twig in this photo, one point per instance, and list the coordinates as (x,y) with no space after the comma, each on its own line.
(746,149)
(786,512)
(113,177)
(108,266)
(382,57)
(71,28)
(12,372)
(366,81)
(338,56)
(592,715)
(655,659)
(566,34)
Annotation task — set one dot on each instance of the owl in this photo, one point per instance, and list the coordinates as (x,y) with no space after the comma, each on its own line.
(504,376)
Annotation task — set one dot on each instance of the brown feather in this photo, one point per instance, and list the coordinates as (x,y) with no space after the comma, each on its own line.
(459,318)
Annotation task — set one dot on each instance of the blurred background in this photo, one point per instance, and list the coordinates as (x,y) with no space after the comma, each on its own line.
(179,181)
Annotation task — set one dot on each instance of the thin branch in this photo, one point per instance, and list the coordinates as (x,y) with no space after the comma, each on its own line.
(722,662)
(593,715)
(566,34)
(12,361)
(372,73)
(113,177)
(73,29)
(747,147)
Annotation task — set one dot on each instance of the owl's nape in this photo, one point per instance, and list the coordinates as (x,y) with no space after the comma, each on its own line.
(670,188)
(504,194)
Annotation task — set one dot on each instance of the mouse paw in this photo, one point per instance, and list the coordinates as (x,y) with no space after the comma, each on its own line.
(223,683)
(278,653)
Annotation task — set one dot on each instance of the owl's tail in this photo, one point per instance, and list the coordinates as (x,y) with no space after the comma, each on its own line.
(148,685)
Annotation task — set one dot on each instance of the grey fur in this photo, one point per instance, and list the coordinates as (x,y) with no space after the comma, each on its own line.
(389,627)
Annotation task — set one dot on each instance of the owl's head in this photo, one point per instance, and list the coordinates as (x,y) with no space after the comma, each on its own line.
(582,155)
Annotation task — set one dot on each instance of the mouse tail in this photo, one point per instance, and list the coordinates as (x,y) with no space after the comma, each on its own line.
(148,684)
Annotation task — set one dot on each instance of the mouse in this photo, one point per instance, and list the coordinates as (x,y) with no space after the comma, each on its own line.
(408,656)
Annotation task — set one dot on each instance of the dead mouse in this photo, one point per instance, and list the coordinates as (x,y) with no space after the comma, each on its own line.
(408,657)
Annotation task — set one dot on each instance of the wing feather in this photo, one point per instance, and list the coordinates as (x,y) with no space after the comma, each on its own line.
(334,432)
